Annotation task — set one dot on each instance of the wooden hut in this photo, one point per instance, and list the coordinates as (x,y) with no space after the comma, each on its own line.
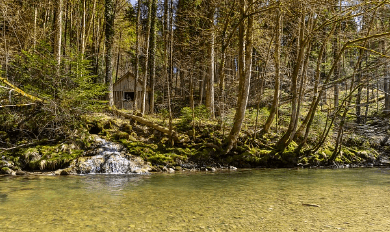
(124,93)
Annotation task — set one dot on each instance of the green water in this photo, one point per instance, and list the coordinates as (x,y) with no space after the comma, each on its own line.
(245,200)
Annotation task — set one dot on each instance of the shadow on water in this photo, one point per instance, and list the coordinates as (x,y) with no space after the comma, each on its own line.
(3,197)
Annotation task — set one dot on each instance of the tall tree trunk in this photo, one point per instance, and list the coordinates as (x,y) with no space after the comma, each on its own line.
(317,95)
(275,102)
(211,77)
(170,76)
(35,26)
(137,47)
(58,34)
(245,65)
(287,137)
(386,84)
(152,56)
(118,57)
(109,24)
(359,93)
(336,75)
(145,81)
(201,88)
(83,36)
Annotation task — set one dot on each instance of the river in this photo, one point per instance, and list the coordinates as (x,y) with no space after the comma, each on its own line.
(242,200)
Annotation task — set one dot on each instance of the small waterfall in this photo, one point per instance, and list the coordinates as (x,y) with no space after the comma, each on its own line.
(110,158)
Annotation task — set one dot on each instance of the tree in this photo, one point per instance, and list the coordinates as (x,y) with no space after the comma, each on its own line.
(152,55)
(58,34)
(147,47)
(109,15)
(275,102)
(244,68)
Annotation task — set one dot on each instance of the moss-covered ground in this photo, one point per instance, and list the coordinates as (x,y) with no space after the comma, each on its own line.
(205,146)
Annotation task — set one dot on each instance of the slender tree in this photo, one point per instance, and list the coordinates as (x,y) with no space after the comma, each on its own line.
(109,15)
(244,68)
(275,102)
(147,47)
(153,46)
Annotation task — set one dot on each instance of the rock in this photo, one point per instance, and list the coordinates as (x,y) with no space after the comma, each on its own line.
(171,170)
(178,168)
(7,171)
(109,158)
(232,168)
(382,161)
(203,169)
(20,173)
(8,164)
(211,169)
(63,172)
(370,165)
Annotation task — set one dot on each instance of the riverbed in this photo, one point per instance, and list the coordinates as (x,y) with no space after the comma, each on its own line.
(242,200)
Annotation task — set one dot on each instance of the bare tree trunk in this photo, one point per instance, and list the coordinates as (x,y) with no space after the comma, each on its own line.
(152,56)
(35,26)
(287,137)
(211,77)
(109,22)
(58,37)
(202,87)
(118,57)
(336,75)
(145,83)
(317,95)
(137,47)
(192,103)
(170,73)
(386,85)
(359,93)
(367,88)
(275,102)
(245,65)
(83,29)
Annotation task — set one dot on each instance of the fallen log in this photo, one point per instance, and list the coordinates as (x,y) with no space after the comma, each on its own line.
(16,89)
(175,135)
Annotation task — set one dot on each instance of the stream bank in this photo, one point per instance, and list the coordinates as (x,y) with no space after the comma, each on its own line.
(110,144)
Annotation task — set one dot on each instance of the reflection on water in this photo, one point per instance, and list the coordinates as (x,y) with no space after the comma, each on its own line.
(245,200)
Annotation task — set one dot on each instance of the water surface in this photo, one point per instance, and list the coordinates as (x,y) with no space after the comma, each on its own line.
(244,200)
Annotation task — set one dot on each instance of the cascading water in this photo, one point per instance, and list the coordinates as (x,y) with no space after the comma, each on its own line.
(110,158)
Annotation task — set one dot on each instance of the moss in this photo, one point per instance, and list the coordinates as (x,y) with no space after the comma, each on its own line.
(118,135)
(291,147)
(52,158)
(253,157)
(5,170)
(158,158)
(303,160)
(127,128)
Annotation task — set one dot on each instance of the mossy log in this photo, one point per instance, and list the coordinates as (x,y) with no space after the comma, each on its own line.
(16,89)
(175,135)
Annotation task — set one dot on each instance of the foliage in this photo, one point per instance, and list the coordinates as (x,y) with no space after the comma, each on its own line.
(200,113)
(67,93)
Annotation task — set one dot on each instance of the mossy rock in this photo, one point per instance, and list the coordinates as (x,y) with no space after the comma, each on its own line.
(118,135)
(254,157)
(2,163)
(303,160)
(52,158)
(127,128)
(6,170)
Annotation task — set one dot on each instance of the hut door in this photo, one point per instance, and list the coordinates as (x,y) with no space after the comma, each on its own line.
(128,96)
